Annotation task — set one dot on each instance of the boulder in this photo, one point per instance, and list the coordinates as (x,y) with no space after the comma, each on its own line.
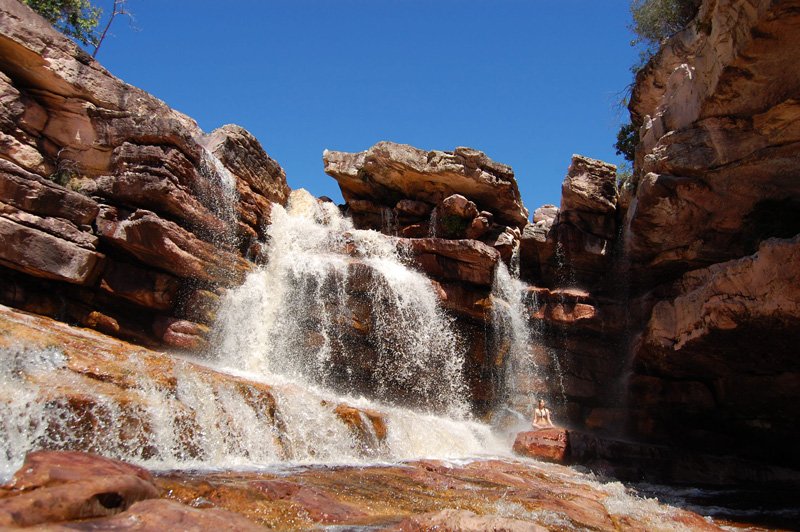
(550,445)
(66,486)
(161,514)
(388,171)
(452,260)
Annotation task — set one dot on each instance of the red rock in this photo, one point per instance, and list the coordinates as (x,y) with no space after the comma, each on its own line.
(415,209)
(41,254)
(166,245)
(148,288)
(317,504)
(159,514)
(36,195)
(551,445)
(463,521)
(182,334)
(64,486)
(411,173)
(456,260)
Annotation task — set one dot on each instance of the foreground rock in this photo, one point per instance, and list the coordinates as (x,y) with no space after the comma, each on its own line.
(66,388)
(81,491)
(114,207)
(551,445)
(426,495)
(65,486)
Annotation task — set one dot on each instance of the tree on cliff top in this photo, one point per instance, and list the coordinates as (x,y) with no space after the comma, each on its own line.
(74,18)
(78,19)
(653,22)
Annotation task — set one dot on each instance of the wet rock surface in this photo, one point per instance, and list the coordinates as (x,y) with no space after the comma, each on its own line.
(428,495)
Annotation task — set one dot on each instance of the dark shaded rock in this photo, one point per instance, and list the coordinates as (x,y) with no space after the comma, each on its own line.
(41,254)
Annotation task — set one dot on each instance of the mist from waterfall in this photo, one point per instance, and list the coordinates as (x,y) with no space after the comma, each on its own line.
(329,290)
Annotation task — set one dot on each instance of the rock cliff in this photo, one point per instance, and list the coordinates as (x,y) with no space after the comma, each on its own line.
(117,212)
(711,235)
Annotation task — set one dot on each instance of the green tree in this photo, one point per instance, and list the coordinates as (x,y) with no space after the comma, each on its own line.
(75,18)
(627,139)
(656,20)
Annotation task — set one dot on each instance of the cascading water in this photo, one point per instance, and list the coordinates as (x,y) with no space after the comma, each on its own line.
(334,315)
(336,306)
(531,370)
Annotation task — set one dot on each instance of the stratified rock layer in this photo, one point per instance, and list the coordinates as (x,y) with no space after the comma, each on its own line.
(114,208)
(388,172)
(710,237)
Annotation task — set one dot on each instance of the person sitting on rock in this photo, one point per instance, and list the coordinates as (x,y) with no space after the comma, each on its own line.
(541,416)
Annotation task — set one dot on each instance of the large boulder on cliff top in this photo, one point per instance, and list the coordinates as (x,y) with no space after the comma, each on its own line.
(388,172)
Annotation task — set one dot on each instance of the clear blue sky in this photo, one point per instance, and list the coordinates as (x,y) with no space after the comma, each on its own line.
(530,82)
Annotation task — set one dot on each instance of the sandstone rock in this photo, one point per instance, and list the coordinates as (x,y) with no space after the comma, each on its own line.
(551,445)
(721,297)
(159,514)
(241,153)
(454,260)
(57,227)
(182,334)
(414,209)
(464,521)
(546,213)
(71,134)
(316,503)
(166,245)
(458,206)
(368,426)
(388,170)
(148,288)
(479,225)
(36,195)
(41,254)
(465,300)
(64,486)
(590,186)
(199,305)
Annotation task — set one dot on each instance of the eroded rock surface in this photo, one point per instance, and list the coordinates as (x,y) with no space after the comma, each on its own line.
(104,187)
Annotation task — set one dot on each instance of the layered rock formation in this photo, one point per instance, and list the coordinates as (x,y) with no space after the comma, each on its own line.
(117,212)
(710,235)
(691,276)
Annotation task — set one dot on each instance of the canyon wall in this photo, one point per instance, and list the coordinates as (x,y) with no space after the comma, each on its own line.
(666,311)
(117,212)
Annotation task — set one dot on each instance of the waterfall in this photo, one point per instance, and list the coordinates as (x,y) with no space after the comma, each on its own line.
(334,319)
(531,370)
(337,307)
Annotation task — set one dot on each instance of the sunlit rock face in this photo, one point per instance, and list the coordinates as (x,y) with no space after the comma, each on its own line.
(115,210)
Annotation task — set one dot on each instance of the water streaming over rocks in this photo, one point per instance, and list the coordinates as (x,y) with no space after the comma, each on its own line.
(334,318)
(337,306)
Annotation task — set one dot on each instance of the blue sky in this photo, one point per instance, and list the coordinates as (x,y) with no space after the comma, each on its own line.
(530,82)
